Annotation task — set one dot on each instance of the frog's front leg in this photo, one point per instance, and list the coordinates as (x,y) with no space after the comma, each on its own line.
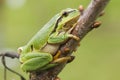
(35,61)
(61,37)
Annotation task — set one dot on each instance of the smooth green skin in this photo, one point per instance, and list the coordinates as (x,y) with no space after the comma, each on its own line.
(31,56)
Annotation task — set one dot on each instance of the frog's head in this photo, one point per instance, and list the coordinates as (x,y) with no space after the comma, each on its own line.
(69,11)
(68,18)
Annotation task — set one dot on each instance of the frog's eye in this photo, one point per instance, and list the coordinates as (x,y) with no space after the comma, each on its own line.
(20,49)
(31,47)
(65,13)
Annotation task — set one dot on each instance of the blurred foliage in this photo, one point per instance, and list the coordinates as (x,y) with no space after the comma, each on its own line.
(98,57)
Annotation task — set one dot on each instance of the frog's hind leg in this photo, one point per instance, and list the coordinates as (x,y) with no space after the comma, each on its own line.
(62,59)
(57,60)
(35,61)
(73,36)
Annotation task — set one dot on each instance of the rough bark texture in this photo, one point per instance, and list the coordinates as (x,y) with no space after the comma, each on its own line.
(85,22)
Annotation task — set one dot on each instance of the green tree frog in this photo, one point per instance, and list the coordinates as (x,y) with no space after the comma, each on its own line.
(33,56)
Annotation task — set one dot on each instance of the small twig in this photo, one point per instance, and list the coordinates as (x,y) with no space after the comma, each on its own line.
(11,55)
(5,73)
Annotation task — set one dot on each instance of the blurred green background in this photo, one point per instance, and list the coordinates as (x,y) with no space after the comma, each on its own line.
(98,57)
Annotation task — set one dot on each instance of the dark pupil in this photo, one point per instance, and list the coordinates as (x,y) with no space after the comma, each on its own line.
(31,47)
(65,14)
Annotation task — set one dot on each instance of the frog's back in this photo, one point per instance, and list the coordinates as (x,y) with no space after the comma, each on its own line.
(39,40)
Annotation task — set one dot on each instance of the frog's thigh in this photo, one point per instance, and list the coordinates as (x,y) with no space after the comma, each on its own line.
(36,61)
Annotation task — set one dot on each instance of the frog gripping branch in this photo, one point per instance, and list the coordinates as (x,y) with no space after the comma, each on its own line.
(56,31)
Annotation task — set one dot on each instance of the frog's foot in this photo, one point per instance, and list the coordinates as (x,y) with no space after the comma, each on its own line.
(73,36)
(63,59)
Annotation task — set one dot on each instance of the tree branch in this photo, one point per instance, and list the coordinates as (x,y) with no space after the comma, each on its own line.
(10,54)
(85,22)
